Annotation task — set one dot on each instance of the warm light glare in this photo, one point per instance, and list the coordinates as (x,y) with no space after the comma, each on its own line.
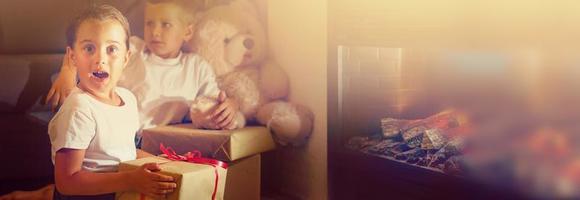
(459,22)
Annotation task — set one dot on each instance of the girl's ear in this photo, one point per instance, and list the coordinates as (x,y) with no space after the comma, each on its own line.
(68,51)
(70,55)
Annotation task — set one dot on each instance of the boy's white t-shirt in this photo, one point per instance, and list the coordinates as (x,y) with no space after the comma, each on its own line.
(165,88)
(106,132)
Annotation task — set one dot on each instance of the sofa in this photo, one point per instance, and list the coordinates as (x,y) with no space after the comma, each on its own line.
(31,51)
(24,145)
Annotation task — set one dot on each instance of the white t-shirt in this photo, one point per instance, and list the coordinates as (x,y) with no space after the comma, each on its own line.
(106,132)
(165,88)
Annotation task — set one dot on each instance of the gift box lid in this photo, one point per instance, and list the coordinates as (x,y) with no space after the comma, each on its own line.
(176,167)
(226,145)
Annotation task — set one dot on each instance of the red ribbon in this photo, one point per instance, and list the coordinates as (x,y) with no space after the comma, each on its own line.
(192,157)
(195,157)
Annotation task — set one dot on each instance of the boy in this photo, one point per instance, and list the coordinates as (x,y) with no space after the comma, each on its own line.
(164,79)
(94,129)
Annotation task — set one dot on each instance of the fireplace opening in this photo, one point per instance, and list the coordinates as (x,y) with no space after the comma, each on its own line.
(463,123)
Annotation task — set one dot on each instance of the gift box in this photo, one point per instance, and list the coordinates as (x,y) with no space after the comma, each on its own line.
(226,145)
(243,179)
(194,181)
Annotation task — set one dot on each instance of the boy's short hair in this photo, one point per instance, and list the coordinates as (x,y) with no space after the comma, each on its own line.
(190,8)
(98,12)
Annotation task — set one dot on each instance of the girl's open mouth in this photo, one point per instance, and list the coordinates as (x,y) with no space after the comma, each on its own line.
(101,74)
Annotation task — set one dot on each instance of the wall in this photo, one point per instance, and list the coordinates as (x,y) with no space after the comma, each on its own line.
(32,27)
(298,40)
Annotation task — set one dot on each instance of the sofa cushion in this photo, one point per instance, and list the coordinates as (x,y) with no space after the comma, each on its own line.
(26,80)
(15,73)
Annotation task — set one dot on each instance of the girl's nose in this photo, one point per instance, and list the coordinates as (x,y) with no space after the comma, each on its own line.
(101,57)
(100,63)
(100,60)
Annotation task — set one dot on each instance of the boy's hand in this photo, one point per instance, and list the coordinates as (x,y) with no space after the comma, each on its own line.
(64,83)
(224,115)
(145,180)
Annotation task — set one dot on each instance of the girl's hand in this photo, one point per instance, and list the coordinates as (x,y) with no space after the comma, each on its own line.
(145,180)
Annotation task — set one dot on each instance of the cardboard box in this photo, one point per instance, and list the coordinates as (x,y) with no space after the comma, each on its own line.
(194,181)
(225,145)
(244,179)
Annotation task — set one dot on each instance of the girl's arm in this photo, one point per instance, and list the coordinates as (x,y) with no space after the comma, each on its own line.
(70,179)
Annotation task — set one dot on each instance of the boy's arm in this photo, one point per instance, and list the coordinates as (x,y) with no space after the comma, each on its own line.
(224,115)
(64,83)
(70,179)
(227,114)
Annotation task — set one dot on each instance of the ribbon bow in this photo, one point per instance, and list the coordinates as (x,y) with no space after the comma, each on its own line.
(195,157)
(192,157)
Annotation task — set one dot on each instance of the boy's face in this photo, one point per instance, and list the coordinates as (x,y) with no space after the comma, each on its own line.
(165,29)
(100,54)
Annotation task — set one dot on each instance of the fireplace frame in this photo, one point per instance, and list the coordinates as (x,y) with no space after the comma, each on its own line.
(355,175)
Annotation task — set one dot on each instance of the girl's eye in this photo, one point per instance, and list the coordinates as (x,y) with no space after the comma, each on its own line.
(112,49)
(166,25)
(89,48)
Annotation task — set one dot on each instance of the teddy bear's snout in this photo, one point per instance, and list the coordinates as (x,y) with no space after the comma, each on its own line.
(249,43)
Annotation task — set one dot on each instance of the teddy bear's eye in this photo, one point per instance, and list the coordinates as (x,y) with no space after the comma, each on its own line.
(227,40)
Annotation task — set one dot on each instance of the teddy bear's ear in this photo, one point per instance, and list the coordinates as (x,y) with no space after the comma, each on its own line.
(197,16)
(245,5)
(206,30)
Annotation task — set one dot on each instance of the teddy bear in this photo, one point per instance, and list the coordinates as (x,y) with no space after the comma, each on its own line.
(231,38)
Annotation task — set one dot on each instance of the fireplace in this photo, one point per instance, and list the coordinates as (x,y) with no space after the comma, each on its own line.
(509,68)
(513,111)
